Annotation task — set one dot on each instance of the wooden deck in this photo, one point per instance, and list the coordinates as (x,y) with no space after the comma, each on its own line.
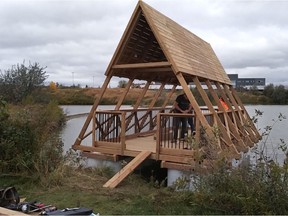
(126,133)
(146,143)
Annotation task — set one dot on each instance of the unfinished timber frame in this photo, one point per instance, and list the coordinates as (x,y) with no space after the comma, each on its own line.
(155,49)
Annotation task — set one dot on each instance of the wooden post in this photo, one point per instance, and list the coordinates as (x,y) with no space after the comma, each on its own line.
(123,132)
(94,129)
(158,135)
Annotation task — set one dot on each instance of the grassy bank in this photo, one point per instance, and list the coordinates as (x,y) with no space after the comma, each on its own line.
(87,96)
(243,190)
(85,188)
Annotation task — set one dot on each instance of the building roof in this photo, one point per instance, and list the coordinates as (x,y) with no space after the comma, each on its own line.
(155,48)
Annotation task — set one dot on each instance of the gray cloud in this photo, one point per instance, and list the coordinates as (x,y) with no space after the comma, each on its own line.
(76,39)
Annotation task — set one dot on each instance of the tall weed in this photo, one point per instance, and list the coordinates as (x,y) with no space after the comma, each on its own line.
(260,187)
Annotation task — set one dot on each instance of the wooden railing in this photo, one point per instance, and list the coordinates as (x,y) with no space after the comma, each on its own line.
(165,134)
(115,127)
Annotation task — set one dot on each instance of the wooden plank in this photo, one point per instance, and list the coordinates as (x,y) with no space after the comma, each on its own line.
(116,151)
(5,211)
(185,167)
(141,144)
(177,152)
(142,65)
(122,174)
(100,156)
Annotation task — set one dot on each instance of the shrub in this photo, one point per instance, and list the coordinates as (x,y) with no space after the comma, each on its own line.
(19,81)
(29,139)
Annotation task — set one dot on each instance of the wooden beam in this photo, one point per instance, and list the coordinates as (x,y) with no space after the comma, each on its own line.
(238,118)
(151,105)
(220,125)
(123,132)
(94,123)
(172,91)
(100,156)
(185,167)
(122,174)
(234,93)
(137,104)
(122,97)
(244,134)
(230,126)
(143,93)
(142,65)
(194,104)
(94,107)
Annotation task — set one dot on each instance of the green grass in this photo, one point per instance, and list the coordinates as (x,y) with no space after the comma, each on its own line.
(133,196)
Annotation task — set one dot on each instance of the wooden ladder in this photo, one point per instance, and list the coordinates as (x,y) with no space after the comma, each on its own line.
(123,173)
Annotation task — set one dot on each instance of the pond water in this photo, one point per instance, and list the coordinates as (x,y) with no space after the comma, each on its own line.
(269,118)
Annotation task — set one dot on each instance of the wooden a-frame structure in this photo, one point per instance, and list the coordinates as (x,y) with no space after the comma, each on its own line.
(155,49)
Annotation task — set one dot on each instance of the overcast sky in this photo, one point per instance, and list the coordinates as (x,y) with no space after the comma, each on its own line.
(76,39)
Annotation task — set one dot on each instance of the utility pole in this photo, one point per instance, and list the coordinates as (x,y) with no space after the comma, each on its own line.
(93,82)
(73,79)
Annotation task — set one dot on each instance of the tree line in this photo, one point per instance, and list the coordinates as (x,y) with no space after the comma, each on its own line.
(21,80)
(278,94)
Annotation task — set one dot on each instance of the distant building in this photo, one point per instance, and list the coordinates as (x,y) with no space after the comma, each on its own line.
(247,83)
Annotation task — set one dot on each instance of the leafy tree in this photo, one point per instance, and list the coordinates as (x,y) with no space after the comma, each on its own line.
(122,84)
(279,94)
(254,90)
(53,86)
(19,81)
(268,90)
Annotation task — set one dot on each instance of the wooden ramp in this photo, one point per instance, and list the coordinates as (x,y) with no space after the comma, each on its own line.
(123,173)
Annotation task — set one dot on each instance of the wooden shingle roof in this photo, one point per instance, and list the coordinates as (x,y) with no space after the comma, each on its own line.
(155,48)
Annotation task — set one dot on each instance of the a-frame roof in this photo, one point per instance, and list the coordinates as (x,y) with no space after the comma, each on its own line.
(155,48)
